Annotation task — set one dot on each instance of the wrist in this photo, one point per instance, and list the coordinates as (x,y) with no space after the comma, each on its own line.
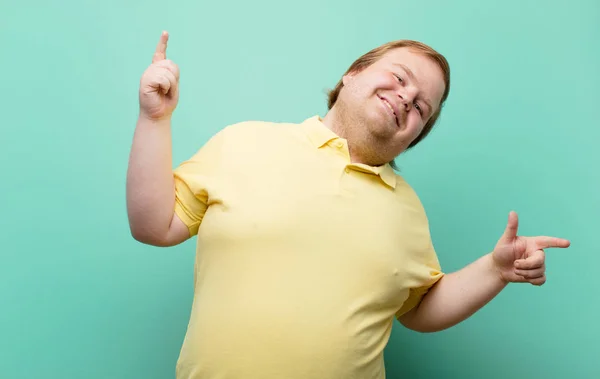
(144,119)
(496,270)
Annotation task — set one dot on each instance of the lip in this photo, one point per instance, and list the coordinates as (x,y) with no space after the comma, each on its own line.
(394,107)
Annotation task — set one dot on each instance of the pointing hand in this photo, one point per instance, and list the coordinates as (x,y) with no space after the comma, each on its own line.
(159,85)
(522,259)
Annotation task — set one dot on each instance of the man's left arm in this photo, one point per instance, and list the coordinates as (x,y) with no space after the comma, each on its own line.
(457,296)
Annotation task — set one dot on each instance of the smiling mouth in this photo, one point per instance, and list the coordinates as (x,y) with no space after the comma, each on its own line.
(391,109)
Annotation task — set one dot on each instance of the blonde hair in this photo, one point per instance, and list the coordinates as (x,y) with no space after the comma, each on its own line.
(372,56)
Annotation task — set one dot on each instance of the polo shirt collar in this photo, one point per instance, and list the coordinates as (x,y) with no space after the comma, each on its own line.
(319,135)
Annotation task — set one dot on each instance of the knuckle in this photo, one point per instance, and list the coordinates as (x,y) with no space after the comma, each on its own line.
(170,65)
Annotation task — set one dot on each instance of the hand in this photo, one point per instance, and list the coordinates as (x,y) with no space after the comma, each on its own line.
(522,259)
(159,86)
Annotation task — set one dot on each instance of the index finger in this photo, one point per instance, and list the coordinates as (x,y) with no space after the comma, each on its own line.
(548,242)
(161,48)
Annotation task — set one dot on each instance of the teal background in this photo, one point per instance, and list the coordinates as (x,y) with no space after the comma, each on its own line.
(79,298)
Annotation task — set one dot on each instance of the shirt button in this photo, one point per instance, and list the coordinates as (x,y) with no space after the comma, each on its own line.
(339,144)
(347,170)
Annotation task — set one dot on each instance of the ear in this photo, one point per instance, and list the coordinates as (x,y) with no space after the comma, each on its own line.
(346,78)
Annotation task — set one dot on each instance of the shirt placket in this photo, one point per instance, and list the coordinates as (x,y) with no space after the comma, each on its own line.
(348,173)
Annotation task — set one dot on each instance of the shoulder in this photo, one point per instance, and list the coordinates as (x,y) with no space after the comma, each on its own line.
(409,198)
(240,142)
(257,127)
(247,136)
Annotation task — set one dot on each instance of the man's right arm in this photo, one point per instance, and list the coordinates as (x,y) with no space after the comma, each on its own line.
(150,181)
(151,188)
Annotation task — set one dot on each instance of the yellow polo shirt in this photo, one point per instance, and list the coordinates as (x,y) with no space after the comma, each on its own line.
(303,258)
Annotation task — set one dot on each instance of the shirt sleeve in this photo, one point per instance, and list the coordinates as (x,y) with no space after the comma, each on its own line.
(425,269)
(429,272)
(194,178)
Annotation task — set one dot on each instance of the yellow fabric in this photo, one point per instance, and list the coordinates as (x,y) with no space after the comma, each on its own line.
(303,259)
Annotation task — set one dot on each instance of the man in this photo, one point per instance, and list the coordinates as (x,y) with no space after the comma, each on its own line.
(308,243)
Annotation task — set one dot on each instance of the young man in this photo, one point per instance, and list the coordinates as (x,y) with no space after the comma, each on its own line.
(308,243)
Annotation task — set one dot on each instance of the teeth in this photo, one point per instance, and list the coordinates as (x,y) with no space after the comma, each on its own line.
(389,106)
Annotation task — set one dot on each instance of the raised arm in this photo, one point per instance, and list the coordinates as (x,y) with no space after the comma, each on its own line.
(150,185)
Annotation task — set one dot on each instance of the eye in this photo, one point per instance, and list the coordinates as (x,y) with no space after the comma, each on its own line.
(399,78)
(419,108)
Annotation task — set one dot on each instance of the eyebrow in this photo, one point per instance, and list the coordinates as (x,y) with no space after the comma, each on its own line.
(411,75)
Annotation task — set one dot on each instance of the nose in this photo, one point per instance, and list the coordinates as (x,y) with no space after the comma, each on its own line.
(407,95)
(405,102)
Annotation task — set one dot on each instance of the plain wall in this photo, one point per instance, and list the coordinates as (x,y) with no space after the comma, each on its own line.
(79,298)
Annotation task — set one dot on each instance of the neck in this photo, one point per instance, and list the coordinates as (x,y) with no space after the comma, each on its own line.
(355,132)
(336,123)
(345,126)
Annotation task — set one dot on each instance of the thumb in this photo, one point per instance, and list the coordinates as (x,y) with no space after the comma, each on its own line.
(510,233)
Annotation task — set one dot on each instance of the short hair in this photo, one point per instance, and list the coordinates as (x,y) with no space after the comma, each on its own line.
(375,54)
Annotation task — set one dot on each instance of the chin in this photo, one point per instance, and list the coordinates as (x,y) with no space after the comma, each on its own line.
(384,127)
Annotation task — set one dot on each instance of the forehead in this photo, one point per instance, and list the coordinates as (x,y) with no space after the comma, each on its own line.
(429,75)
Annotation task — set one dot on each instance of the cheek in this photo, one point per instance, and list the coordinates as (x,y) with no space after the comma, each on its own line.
(387,81)
(361,88)
(359,94)
(375,83)
(414,122)
(354,90)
